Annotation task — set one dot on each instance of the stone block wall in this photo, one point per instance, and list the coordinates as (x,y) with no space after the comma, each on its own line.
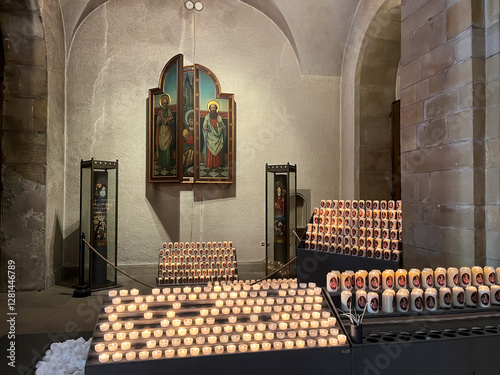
(24,144)
(378,74)
(444,112)
(492,129)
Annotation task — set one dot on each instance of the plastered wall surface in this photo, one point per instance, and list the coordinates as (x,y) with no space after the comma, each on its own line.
(117,55)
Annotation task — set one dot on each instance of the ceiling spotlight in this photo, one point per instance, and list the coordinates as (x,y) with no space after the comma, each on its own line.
(189,5)
(198,6)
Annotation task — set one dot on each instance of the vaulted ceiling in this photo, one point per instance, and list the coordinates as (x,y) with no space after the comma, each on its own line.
(317,30)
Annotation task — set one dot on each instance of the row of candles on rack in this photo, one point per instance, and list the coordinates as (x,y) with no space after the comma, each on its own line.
(370,229)
(416,290)
(193,263)
(220,318)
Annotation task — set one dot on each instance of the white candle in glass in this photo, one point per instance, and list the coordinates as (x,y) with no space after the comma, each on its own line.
(99,347)
(163,343)
(403,300)
(134,292)
(121,336)
(150,344)
(108,336)
(112,293)
(158,333)
(148,315)
(239,328)
(243,348)
(146,334)
(440,277)
(125,345)
(414,278)
(112,346)
(169,353)
(489,275)
(103,358)
(104,327)
(140,299)
(495,294)
(130,356)
(430,298)
(471,296)
(477,276)
(143,307)
(388,297)
(207,350)
(133,335)
(108,309)
(427,277)
(144,354)
(156,354)
(212,339)
(483,294)
(289,344)
(235,338)
(112,317)
(182,352)
(417,299)
(346,300)
(254,347)
(465,277)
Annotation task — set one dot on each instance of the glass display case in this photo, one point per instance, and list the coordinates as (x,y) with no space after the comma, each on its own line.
(281,218)
(98,221)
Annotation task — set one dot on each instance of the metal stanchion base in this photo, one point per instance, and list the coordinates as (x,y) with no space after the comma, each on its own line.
(81,291)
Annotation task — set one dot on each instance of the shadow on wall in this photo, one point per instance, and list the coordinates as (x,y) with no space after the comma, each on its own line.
(165,198)
(166,202)
(57,245)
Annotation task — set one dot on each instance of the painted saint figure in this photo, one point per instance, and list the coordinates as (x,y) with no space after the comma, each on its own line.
(214,133)
(188,149)
(164,133)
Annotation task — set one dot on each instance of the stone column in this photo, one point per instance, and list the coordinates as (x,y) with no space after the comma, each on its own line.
(492,133)
(24,144)
(443,131)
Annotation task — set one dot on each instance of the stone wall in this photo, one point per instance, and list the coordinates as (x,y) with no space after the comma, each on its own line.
(443,110)
(492,133)
(377,82)
(24,143)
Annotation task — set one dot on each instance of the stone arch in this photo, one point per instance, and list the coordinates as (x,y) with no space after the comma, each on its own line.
(376,79)
(24,143)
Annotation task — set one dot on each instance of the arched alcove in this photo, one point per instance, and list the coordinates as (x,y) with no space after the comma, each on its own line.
(376,92)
